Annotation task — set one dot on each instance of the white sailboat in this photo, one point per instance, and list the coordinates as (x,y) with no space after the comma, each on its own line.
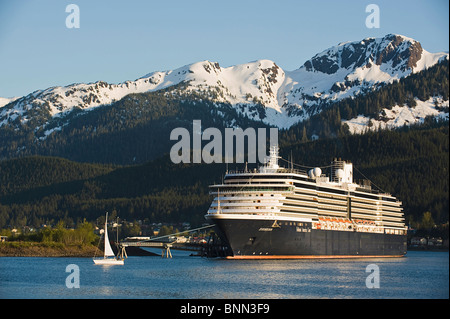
(108,252)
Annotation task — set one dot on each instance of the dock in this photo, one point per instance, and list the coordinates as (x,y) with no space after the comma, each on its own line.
(212,248)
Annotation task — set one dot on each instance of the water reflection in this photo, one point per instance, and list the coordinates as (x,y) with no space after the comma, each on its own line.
(419,275)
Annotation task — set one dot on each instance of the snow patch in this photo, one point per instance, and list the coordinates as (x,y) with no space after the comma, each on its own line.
(399,116)
(7,100)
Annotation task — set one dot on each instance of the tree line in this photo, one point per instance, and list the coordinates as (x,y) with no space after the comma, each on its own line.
(411,163)
(82,235)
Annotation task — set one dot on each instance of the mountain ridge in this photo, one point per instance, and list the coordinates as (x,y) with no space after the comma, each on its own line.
(288,97)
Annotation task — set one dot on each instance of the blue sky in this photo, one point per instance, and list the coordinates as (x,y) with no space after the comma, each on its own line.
(124,40)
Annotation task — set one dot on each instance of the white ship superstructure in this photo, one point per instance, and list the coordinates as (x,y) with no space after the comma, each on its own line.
(334,202)
(308,200)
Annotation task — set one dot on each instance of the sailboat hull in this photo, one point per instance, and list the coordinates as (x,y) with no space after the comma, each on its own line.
(108,252)
(107,261)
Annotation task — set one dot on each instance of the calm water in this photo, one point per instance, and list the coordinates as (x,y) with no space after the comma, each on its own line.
(419,275)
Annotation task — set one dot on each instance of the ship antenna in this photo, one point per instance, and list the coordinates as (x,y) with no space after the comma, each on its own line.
(218,200)
(273,160)
(292,161)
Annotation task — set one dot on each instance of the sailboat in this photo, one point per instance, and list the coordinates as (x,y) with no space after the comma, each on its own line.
(108,252)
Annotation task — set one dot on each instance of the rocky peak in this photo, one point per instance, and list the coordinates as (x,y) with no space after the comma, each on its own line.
(401,52)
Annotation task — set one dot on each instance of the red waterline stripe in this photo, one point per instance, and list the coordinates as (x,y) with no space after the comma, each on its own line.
(311,256)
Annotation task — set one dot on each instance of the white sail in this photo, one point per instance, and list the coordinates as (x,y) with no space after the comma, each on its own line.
(108,250)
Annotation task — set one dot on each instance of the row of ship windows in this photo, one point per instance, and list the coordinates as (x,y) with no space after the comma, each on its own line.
(307,186)
(395,231)
(344,198)
(338,191)
(322,213)
(250,195)
(283,179)
(269,177)
(292,224)
(336,207)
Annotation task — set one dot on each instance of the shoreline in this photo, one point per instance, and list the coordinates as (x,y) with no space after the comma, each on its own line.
(35,249)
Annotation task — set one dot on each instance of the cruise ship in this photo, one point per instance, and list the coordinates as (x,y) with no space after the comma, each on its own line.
(285,213)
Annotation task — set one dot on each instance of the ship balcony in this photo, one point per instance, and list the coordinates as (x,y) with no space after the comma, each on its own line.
(370,212)
(391,214)
(280,170)
(247,204)
(341,202)
(301,209)
(362,206)
(248,191)
(365,216)
(391,204)
(391,211)
(327,213)
(248,197)
(392,219)
(332,208)
(299,203)
(244,211)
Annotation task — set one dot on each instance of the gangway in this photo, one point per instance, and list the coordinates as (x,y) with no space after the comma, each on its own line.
(165,243)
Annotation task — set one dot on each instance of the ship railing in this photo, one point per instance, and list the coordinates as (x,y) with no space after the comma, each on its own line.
(253,191)
(257,170)
(274,214)
(293,171)
(240,172)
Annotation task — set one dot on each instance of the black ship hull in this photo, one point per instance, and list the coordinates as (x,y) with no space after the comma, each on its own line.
(270,239)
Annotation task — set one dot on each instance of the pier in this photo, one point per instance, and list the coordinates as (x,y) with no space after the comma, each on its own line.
(212,248)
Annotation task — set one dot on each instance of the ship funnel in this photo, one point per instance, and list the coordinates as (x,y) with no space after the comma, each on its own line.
(272,164)
(341,172)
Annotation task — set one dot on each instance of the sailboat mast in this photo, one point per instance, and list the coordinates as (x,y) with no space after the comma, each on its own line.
(108,250)
(106,234)
(106,221)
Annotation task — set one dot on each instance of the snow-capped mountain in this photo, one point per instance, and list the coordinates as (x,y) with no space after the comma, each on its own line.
(244,84)
(287,97)
(351,68)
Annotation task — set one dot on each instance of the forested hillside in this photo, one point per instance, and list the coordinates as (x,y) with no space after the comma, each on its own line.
(39,172)
(412,164)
